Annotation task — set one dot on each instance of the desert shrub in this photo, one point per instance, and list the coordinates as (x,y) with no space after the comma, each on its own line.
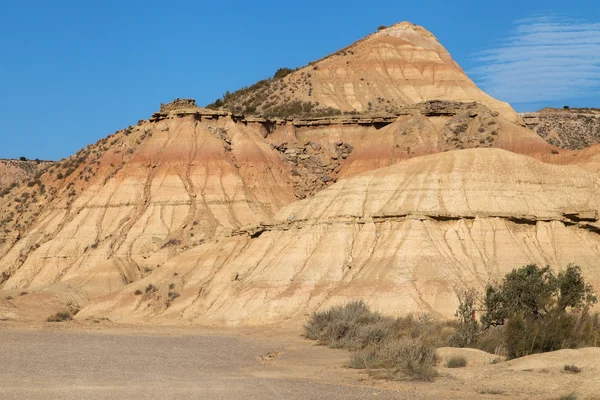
(60,316)
(572,368)
(456,362)
(394,348)
(282,73)
(403,358)
(151,288)
(381,27)
(336,327)
(541,311)
(138,292)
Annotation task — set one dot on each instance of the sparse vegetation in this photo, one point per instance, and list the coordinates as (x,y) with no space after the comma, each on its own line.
(60,317)
(393,348)
(138,292)
(570,396)
(271,98)
(491,391)
(282,73)
(151,289)
(572,368)
(456,362)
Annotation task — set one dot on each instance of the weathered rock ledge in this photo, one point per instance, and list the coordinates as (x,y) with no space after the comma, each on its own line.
(184,107)
(587,220)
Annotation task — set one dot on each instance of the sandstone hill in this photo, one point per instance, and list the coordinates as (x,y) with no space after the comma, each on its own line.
(202,215)
(573,128)
(401,237)
(403,64)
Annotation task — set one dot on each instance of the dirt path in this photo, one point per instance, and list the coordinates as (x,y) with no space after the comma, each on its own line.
(78,361)
(55,364)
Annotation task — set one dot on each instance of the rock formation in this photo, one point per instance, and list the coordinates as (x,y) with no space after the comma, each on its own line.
(213,216)
(572,128)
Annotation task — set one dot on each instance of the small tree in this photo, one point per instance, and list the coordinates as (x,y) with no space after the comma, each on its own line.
(542,311)
(466,333)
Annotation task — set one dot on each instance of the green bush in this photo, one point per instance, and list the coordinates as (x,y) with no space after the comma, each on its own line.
(467,330)
(534,310)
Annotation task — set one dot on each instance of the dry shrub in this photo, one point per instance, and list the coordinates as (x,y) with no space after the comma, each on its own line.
(60,316)
(572,368)
(399,359)
(394,348)
(456,362)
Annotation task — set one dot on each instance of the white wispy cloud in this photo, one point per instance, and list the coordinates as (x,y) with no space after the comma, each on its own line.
(543,59)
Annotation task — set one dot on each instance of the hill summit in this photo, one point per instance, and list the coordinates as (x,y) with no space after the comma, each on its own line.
(396,66)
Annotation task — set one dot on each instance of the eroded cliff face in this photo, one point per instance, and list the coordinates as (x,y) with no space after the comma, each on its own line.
(210,185)
(402,238)
(126,205)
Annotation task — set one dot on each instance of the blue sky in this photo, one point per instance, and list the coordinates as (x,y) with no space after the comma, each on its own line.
(72,72)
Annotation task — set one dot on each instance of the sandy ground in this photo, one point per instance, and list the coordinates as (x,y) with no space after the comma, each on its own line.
(76,361)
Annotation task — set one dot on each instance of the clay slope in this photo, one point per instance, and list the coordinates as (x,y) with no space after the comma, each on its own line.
(118,209)
(575,128)
(15,172)
(400,237)
(397,66)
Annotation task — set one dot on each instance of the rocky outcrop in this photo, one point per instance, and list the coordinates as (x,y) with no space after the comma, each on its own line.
(573,129)
(178,104)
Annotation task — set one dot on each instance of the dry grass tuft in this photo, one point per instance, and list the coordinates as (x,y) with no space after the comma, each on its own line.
(457,362)
(392,348)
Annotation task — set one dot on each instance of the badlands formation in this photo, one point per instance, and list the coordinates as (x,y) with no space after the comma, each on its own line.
(237,216)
